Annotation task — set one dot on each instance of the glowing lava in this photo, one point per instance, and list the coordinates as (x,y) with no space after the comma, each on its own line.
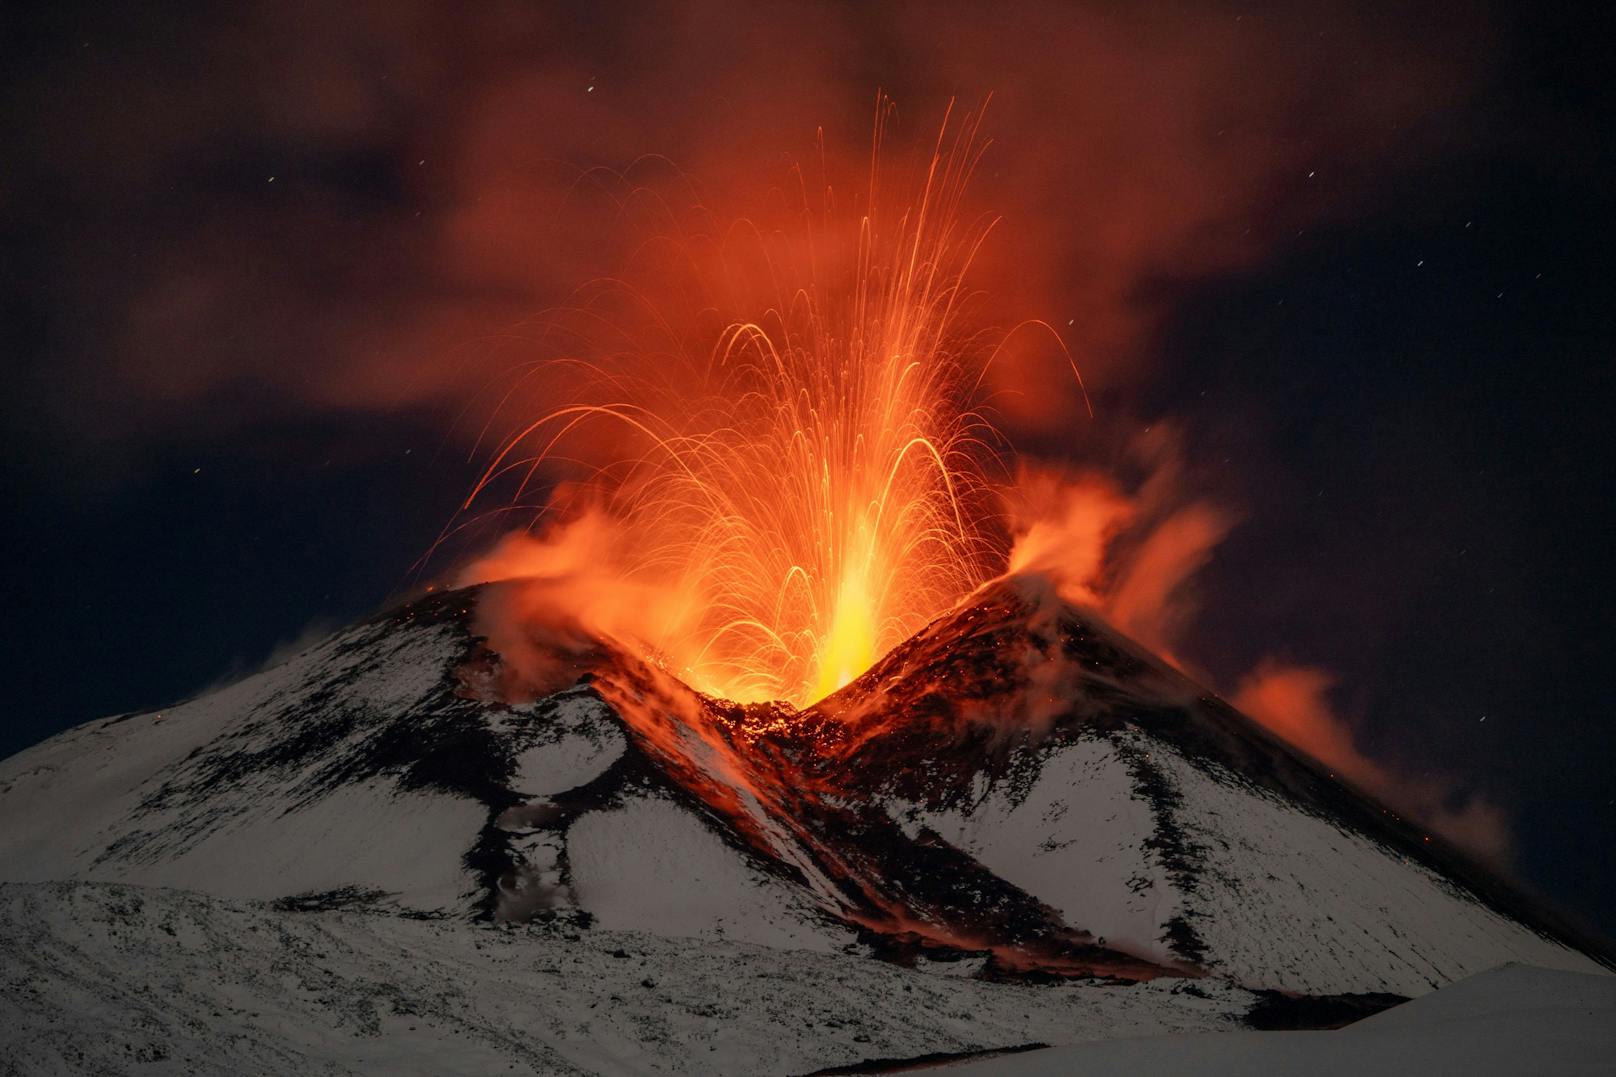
(849,647)
(767,514)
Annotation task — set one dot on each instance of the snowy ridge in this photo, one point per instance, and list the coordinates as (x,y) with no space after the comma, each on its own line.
(274,785)
(1274,897)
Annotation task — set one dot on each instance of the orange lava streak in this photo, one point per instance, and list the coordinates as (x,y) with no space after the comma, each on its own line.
(808,491)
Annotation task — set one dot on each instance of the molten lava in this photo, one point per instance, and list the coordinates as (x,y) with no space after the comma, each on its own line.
(767,513)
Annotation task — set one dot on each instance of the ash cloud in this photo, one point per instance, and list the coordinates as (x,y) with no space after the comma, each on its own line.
(238,215)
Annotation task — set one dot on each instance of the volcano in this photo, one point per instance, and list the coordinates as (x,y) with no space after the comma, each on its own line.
(1046,831)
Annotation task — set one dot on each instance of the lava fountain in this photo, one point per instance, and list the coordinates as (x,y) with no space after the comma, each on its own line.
(766,504)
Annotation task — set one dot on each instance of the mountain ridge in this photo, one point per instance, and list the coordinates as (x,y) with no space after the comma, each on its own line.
(1018,791)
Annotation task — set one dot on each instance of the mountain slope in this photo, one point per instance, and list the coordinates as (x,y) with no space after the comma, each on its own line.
(1078,767)
(1016,792)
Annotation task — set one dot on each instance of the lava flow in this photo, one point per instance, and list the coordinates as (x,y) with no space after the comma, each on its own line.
(807,791)
(767,513)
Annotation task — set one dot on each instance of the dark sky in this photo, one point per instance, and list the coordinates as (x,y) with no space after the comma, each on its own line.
(257,267)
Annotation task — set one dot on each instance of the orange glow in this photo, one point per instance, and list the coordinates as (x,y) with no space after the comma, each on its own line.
(767,514)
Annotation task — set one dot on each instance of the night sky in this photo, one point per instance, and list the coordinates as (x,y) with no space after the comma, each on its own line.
(257,267)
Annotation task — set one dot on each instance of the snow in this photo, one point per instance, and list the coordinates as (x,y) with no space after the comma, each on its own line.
(580,741)
(653,866)
(132,799)
(1503,1023)
(81,783)
(1076,840)
(104,978)
(1300,904)
(366,835)
(1280,898)
(414,664)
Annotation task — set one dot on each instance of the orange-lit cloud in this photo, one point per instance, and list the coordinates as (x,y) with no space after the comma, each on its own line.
(574,593)
(1293,701)
(1131,554)
(348,208)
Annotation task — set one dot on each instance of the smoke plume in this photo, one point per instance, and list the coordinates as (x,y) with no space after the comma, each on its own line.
(1293,702)
(1133,554)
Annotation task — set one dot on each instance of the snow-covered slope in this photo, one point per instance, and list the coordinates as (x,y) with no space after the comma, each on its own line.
(1028,735)
(366,765)
(318,774)
(1173,857)
(1018,792)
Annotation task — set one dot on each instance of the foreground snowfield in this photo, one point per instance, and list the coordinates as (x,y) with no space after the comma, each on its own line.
(1511,1022)
(102,978)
